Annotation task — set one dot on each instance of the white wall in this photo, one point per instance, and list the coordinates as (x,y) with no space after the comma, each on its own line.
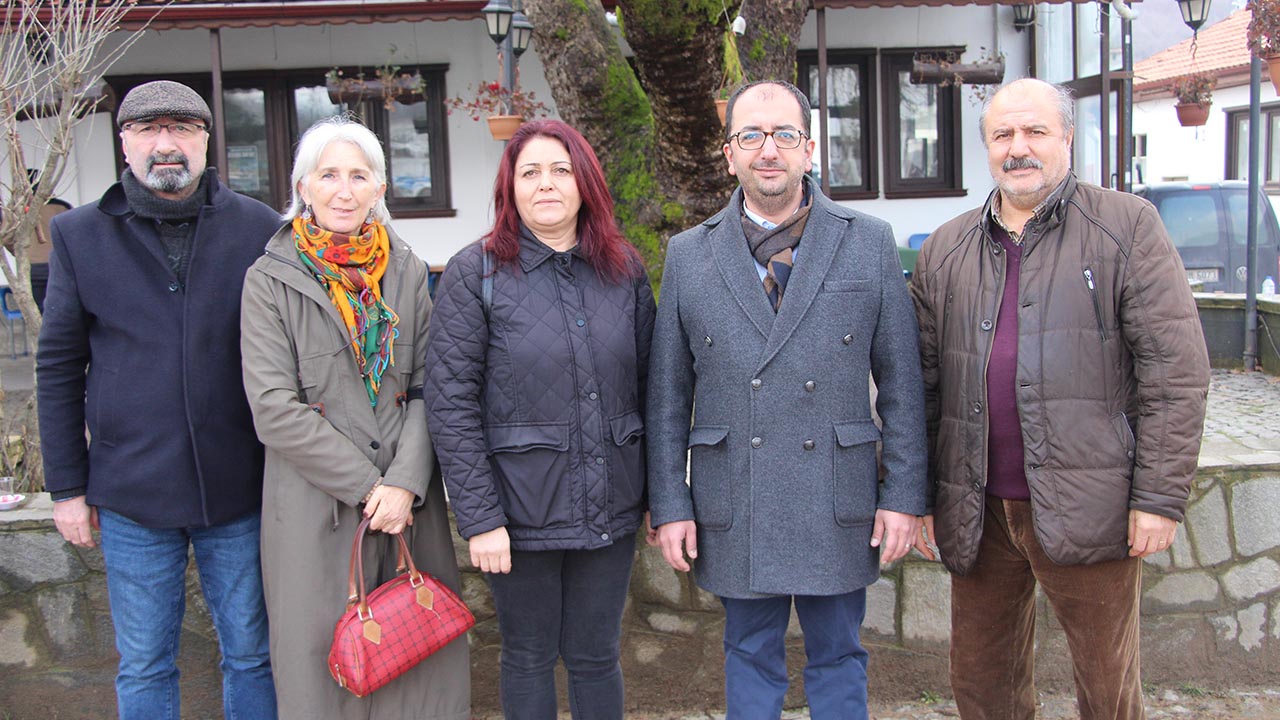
(473,155)
(1196,154)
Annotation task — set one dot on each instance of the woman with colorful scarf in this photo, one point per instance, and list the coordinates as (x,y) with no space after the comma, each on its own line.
(333,336)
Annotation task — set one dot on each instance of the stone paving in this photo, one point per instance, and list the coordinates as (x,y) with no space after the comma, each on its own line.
(1242,423)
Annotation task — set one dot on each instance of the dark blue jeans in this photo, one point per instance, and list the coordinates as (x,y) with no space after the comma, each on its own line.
(563,604)
(755,656)
(146,583)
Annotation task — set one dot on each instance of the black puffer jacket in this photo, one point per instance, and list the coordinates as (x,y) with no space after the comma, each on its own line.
(537,413)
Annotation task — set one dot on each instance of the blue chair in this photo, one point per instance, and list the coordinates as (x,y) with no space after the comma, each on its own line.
(916,241)
(11,314)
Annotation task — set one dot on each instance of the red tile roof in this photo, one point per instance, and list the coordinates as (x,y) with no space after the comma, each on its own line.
(1221,49)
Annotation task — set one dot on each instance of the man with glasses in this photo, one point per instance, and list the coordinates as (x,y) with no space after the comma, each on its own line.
(141,341)
(773,314)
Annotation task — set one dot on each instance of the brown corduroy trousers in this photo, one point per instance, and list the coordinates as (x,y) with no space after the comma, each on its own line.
(993,625)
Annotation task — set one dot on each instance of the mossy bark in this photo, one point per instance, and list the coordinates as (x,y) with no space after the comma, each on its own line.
(768,47)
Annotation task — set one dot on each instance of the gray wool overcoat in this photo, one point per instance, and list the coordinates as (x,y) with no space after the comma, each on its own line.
(326,446)
(773,412)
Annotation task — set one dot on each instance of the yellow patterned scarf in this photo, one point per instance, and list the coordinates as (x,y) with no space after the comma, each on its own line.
(350,267)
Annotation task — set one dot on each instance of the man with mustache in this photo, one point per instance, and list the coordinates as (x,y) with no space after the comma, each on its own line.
(141,342)
(1065,381)
(774,312)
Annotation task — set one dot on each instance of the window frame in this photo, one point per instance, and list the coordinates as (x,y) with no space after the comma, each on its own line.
(865,58)
(950,181)
(1237,123)
(282,132)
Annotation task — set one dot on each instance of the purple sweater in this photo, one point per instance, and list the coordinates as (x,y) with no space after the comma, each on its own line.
(1005,475)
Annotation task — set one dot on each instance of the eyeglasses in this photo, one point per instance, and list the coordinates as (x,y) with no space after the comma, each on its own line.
(179,130)
(783,139)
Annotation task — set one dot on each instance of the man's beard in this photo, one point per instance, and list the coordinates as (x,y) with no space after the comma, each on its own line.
(169,180)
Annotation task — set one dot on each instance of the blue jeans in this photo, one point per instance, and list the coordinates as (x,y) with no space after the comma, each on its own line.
(755,656)
(563,604)
(146,582)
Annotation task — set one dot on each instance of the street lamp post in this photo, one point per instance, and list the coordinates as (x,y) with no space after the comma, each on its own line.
(511,31)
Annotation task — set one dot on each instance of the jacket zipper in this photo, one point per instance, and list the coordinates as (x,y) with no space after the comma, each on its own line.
(1097,305)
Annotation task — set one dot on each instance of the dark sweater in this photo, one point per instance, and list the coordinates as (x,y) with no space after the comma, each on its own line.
(1005,475)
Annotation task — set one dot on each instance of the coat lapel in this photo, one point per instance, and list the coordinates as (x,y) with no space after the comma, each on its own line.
(737,268)
(816,250)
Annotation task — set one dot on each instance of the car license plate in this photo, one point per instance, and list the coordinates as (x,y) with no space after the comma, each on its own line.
(1202,275)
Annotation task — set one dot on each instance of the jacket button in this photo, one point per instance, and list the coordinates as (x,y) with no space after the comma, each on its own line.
(847,339)
(594,396)
(809,386)
(599,461)
(581,322)
(375,445)
(977,408)
(173,286)
(995,250)
(604,536)
(809,445)
(757,442)
(986,324)
(977,485)
(707,340)
(756,383)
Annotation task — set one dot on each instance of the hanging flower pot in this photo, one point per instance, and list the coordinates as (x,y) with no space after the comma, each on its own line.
(504,109)
(722,108)
(386,85)
(1192,114)
(502,127)
(1273,66)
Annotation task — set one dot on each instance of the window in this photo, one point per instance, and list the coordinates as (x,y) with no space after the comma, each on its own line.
(921,147)
(1140,158)
(267,113)
(849,120)
(920,152)
(1238,146)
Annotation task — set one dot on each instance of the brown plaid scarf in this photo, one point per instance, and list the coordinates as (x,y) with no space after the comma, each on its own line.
(775,250)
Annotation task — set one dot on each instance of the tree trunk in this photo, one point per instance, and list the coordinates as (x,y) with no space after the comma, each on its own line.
(768,47)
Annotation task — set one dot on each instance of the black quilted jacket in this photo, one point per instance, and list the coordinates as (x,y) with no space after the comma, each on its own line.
(537,414)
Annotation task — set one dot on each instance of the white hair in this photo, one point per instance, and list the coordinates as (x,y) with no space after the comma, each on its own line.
(339,128)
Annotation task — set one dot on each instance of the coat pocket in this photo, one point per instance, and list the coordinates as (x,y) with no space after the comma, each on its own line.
(628,468)
(530,464)
(711,476)
(1124,433)
(855,472)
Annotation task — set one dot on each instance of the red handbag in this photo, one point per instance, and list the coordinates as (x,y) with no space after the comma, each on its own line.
(384,633)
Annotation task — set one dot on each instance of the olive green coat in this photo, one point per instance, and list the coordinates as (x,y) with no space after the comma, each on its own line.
(326,447)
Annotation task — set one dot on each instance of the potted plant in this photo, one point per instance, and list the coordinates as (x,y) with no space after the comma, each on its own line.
(1194,93)
(505,110)
(387,83)
(1264,35)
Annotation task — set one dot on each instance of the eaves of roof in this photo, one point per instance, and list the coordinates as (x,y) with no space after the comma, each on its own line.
(171,14)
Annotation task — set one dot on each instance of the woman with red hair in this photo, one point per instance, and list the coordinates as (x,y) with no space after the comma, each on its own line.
(538,354)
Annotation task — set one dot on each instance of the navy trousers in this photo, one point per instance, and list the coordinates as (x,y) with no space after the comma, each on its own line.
(755,662)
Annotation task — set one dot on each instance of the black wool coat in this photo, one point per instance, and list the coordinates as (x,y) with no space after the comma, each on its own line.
(152,367)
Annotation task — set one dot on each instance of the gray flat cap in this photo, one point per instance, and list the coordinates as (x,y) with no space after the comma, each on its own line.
(163,98)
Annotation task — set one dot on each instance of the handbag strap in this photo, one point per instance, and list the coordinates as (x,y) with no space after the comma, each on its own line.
(486,282)
(356,593)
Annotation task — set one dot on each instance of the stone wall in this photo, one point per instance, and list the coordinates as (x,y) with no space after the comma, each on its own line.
(1211,607)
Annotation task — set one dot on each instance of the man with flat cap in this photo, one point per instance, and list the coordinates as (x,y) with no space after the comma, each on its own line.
(141,342)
